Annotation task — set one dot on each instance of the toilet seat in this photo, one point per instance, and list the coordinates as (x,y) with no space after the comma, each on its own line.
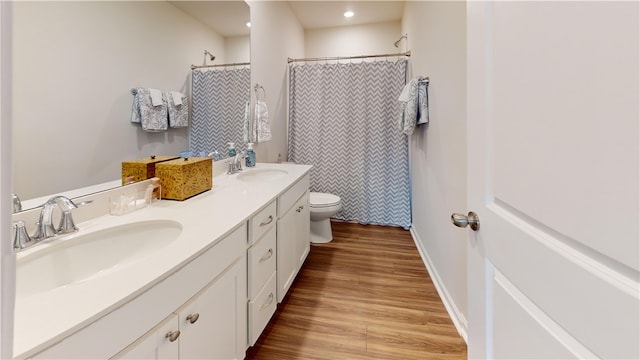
(323,200)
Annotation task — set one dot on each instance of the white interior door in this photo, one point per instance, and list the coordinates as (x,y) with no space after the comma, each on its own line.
(553,168)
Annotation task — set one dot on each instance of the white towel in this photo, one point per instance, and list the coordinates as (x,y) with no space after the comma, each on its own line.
(406,91)
(152,118)
(156,97)
(262,129)
(178,110)
(177,97)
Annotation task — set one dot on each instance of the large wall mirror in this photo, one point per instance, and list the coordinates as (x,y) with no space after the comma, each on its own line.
(74,65)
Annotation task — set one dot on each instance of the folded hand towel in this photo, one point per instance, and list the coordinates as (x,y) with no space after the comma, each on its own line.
(262,129)
(177,97)
(153,118)
(178,110)
(156,97)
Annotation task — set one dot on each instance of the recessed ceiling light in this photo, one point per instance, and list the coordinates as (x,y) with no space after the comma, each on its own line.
(248,23)
(348,14)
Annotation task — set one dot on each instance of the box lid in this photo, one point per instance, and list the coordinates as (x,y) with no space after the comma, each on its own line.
(184,161)
(153,159)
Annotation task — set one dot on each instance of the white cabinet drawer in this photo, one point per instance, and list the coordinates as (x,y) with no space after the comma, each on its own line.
(262,262)
(261,309)
(261,222)
(286,200)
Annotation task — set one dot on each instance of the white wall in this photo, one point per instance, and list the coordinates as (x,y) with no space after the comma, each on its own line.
(275,35)
(354,40)
(237,49)
(437,40)
(74,66)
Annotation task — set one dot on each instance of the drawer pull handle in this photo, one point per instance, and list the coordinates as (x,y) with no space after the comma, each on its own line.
(266,256)
(267,222)
(193,317)
(268,303)
(300,208)
(173,335)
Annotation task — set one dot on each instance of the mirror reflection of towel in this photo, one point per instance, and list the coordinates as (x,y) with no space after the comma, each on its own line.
(245,126)
(262,129)
(156,97)
(178,109)
(152,118)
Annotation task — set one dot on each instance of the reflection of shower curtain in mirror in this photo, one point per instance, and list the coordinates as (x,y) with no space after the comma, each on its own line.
(344,120)
(219,103)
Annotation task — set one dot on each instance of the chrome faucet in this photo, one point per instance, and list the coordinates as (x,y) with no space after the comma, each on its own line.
(45,227)
(215,155)
(17,204)
(21,238)
(235,165)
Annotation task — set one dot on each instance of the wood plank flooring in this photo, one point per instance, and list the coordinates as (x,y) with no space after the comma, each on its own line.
(365,295)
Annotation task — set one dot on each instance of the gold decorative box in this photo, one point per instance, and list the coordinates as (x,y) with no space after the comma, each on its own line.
(183,178)
(142,169)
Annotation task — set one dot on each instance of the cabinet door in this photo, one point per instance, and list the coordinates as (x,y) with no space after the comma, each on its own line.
(293,243)
(159,343)
(287,252)
(214,322)
(303,231)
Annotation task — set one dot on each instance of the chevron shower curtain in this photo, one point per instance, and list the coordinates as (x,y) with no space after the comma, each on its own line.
(220,100)
(343,120)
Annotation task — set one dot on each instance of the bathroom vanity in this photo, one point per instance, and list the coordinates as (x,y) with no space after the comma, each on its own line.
(203,288)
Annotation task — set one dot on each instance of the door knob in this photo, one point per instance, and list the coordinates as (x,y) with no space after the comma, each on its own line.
(462,221)
(193,317)
(173,335)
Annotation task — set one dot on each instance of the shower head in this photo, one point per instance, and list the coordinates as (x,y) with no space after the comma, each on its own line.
(211,56)
(397,43)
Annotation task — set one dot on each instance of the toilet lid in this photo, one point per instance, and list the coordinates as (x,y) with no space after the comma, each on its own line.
(318,200)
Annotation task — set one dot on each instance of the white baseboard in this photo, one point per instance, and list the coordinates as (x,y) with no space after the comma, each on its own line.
(458,318)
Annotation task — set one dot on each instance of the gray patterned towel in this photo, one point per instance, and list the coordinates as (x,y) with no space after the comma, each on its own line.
(178,109)
(152,118)
(409,107)
(263,131)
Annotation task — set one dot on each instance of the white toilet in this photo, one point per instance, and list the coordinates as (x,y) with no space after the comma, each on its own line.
(322,206)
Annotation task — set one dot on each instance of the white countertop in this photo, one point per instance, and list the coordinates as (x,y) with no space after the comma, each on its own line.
(45,318)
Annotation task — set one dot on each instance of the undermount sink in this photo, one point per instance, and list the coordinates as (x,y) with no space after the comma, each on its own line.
(257,175)
(87,256)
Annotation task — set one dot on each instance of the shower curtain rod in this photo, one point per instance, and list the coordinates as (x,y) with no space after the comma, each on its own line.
(290,60)
(193,67)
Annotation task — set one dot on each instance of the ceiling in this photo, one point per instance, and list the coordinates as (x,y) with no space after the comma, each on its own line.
(228,18)
(322,14)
